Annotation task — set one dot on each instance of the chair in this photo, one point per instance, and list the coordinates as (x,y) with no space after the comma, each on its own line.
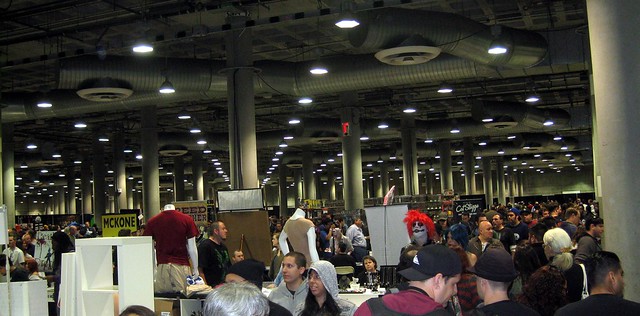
(344,275)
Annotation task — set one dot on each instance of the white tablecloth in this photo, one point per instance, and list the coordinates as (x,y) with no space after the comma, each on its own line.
(361,297)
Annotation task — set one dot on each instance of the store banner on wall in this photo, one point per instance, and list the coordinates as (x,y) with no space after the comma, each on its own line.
(196,209)
(112,224)
(472,206)
(44,251)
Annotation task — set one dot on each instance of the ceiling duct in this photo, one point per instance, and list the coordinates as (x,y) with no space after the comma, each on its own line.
(454,34)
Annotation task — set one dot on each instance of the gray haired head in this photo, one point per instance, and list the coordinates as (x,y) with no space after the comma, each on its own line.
(236,299)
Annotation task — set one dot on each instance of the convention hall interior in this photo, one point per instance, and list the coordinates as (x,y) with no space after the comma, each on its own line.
(411,95)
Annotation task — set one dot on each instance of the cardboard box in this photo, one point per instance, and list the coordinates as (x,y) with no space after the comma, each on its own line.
(165,307)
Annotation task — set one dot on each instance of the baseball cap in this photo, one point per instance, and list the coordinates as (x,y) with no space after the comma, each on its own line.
(250,270)
(431,260)
(515,211)
(495,264)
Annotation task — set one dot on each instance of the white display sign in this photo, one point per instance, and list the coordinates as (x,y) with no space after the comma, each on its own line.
(388,233)
(4,230)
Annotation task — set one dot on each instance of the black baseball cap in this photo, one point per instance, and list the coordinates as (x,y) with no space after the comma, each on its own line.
(495,264)
(431,260)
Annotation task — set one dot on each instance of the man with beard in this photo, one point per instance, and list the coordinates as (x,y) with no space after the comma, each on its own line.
(213,255)
(502,233)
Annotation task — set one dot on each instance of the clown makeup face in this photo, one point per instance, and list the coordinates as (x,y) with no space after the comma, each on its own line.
(419,230)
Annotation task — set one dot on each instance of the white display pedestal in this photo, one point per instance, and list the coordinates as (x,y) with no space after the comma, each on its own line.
(87,280)
(28,298)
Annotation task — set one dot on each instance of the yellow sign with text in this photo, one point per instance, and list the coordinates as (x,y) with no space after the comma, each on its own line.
(112,224)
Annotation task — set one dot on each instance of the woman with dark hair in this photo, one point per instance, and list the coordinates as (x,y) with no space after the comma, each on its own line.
(322,298)
(370,273)
(458,237)
(61,243)
(525,260)
(545,291)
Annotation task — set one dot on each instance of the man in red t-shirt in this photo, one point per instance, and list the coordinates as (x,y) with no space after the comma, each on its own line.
(175,235)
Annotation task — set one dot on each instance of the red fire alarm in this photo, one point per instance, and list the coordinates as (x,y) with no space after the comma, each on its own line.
(345,128)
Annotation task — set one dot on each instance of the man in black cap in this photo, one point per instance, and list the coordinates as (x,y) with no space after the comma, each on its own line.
(433,276)
(495,271)
(252,271)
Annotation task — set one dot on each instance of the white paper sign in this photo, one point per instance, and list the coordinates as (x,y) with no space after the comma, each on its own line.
(388,233)
(3,225)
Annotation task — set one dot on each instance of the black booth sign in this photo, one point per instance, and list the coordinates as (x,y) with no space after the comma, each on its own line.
(472,207)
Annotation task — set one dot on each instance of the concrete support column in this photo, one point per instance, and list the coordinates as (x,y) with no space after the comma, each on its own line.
(429,181)
(150,171)
(331,182)
(71,189)
(616,129)
(446,174)
(87,187)
(178,178)
(297,178)
(511,184)
(131,188)
(469,174)
(120,172)
(243,157)
(60,199)
(520,184)
(307,170)
(351,155)
(8,173)
(500,176)
(384,177)
(282,185)
(198,180)
(99,185)
(487,180)
(409,156)
(137,199)
(377,187)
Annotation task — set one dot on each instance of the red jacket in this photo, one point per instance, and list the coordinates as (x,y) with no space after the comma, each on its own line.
(413,301)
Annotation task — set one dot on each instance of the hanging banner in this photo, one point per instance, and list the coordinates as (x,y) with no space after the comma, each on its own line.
(112,224)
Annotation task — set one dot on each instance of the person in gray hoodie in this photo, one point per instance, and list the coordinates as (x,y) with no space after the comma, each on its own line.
(293,291)
(322,298)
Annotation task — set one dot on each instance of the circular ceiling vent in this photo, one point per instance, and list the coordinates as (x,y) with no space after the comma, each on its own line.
(295,164)
(500,125)
(46,163)
(325,140)
(104,94)
(104,89)
(173,150)
(408,55)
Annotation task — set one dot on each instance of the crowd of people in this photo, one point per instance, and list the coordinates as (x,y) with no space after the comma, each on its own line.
(535,259)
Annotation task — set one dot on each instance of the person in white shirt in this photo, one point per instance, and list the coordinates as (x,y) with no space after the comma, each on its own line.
(15,254)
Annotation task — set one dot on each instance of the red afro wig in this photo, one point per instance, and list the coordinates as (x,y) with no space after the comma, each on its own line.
(415,215)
